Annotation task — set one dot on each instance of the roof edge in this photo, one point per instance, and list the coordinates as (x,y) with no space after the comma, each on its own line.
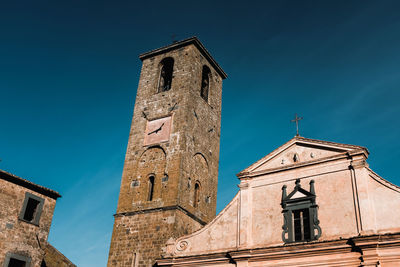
(294,140)
(383,181)
(192,40)
(51,247)
(28,184)
(331,143)
(250,174)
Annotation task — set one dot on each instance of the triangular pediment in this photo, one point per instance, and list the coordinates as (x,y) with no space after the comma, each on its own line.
(301,150)
(298,194)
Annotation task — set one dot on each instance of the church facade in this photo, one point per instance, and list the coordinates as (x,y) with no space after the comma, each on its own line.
(308,203)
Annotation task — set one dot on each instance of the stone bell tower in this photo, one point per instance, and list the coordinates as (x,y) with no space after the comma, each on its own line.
(170,176)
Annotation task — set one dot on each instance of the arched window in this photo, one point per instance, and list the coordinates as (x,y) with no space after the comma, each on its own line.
(196,199)
(165,81)
(205,83)
(151,188)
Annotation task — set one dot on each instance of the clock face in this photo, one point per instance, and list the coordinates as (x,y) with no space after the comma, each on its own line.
(157,131)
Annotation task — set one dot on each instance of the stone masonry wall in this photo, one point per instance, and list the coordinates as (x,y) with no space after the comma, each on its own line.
(195,131)
(55,258)
(190,156)
(139,237)
(17,236)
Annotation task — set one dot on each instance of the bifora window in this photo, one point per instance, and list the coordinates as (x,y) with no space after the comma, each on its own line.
(301,221)
(300,217)
(31,208)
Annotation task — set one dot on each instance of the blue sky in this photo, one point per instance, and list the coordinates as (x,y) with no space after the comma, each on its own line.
(69,72)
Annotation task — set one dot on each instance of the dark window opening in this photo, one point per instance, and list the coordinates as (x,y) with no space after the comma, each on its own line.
(16,263)
(43,264)
(300,214)
(205,83)
(196,195)
(31,209)
(151,188)
(301,220)
(167,67)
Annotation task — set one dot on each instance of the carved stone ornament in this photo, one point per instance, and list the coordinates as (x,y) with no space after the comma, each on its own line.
(182,245)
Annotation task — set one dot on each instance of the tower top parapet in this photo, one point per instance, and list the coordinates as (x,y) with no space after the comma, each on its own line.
(176,45)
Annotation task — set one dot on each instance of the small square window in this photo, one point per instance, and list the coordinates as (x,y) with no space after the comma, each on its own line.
(135,183)
(32,208)
(15,260)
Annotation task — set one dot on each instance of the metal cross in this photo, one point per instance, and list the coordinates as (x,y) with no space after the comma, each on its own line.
(296,120)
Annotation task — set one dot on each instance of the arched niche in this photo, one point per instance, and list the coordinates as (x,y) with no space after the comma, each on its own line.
(151,170)
(200,176)
(200,167)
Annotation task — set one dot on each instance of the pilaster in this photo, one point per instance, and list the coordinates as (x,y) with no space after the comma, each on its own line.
(245,215)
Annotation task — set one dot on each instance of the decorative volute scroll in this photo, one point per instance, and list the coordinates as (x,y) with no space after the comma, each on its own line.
(182,245)
(300,214)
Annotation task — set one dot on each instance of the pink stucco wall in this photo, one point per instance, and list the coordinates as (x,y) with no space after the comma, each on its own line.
(353,202)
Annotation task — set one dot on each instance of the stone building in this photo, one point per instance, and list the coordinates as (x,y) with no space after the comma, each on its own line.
(308,203)
(170,175)
(26,211)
